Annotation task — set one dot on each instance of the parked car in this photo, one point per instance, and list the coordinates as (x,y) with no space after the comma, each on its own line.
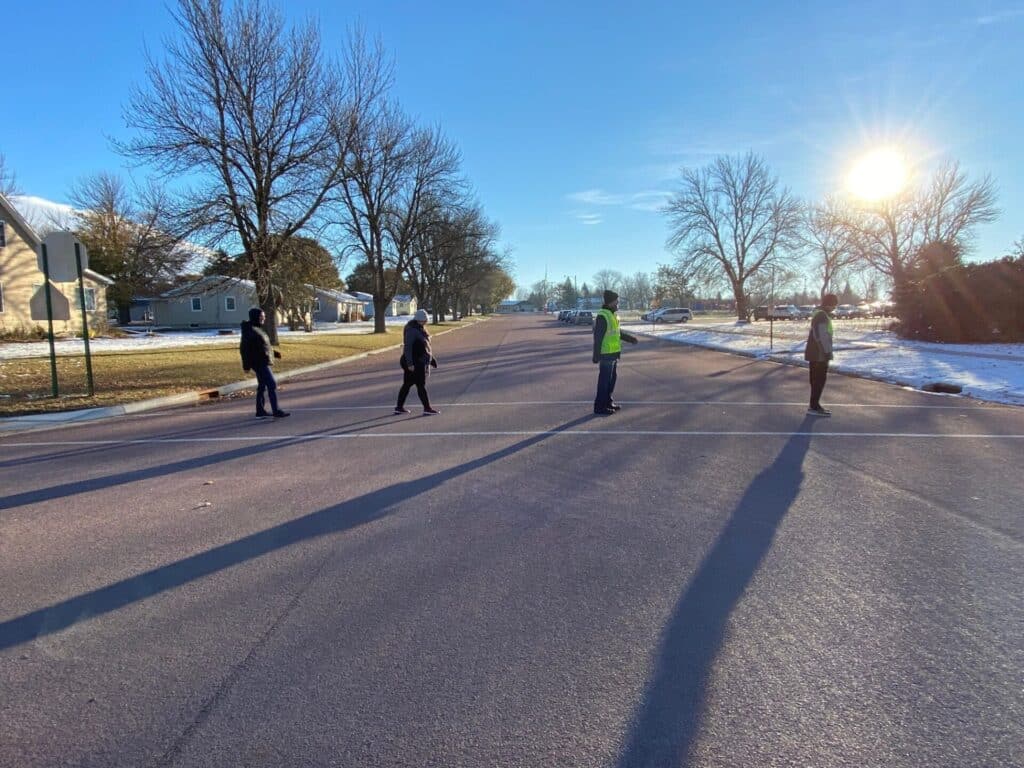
(648,317)
(563,315)
(583,317)
(845,311)
(761,313)
(674,315)
(784,312)
(806,311)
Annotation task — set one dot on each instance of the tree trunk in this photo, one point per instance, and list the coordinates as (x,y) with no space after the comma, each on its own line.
(379,321)
(124,312)
(742,310)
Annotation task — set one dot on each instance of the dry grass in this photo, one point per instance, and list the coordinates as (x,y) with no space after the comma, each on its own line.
(122,377)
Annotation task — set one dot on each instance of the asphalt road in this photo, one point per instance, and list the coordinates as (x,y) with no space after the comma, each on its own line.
(709,578)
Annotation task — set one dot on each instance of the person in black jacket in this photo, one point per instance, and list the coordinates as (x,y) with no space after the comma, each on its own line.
(416,360)
(258,356)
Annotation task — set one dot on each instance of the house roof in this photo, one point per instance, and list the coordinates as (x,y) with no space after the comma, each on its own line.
(96,277)
(9,209)
(207,284)
(404,298)
(362,296)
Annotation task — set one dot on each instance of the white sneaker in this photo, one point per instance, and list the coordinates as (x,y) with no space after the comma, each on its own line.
(819,412)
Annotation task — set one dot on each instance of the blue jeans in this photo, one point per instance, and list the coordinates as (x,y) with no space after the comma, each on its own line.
(606,376)
(266,383)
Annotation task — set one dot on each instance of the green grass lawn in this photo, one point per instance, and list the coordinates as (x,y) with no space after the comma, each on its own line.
(123,377)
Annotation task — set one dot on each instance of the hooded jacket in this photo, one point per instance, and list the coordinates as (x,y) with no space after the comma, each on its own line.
(416,352)
(254,347)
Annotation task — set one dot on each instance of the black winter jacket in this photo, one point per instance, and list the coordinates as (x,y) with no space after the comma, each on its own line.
(254,347)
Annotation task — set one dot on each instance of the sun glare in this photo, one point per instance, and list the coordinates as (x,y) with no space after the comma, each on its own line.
(878,175)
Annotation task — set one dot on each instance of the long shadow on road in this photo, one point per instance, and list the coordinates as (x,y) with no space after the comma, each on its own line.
(667,721)
(335,519)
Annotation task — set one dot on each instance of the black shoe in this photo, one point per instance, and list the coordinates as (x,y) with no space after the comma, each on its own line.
(605,412)
(262,415)
(399,411)
(615,407)
(431,412)
(279,414)
(819,411)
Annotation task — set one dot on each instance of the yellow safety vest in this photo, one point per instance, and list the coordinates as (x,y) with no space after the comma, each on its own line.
(611,343)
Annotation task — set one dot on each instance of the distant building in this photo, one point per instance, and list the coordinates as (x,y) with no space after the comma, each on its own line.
(401,305)
(511,305)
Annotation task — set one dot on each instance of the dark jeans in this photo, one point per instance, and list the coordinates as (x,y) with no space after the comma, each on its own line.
(819,372)
(606,377)
(417,376)
(266,384)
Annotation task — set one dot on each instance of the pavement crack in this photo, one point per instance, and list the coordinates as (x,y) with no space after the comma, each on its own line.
(169,757)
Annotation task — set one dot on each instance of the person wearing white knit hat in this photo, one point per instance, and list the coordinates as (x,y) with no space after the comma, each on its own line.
(416,361)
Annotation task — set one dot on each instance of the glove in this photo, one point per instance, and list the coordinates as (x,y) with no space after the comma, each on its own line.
(245,368)
(277,355)
(433,362)
(596,360)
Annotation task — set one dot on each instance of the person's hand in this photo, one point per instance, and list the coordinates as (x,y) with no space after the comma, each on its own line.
(277,355)
(245,369)
(433,362)
(596,360)
(632,339)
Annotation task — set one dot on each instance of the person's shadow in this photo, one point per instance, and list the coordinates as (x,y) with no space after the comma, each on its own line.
(667,720)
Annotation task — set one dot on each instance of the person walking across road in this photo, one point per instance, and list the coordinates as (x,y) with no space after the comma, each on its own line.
(416,361)
(818,352)
(607,348)
(258,356)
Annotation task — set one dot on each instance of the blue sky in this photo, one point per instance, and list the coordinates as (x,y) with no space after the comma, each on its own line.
(574,118)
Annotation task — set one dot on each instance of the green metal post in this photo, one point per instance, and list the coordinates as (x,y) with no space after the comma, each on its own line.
(85,320)
(49,321)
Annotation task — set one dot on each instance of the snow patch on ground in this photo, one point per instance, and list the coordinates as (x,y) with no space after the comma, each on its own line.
(992,372)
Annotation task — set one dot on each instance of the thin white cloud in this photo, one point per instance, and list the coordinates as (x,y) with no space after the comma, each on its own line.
(994,18)
(648,200)
(595,197)
(588,218)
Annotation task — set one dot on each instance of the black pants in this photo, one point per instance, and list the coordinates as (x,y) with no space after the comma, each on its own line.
(607,375)
(417,376)
(265,383)
(819,372)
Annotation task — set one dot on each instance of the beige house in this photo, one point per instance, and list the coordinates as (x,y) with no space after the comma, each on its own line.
(22,296)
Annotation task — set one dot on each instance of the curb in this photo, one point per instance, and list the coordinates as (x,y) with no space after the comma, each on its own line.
(35,422)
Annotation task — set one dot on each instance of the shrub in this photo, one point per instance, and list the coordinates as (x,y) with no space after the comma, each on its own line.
(964,302)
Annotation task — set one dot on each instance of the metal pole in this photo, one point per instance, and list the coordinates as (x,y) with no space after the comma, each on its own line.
(771,316)
(49,322)
(85,320)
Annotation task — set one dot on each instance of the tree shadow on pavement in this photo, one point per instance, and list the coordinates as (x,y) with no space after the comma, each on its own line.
(666,722)
(332,520)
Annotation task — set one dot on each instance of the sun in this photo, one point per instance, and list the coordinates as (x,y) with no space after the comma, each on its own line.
(878,175)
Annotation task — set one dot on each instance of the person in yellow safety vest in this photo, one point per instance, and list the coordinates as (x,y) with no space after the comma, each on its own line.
(818,352)
(607,348)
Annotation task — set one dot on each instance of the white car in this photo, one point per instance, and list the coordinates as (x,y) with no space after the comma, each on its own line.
(784,312)
(672,315)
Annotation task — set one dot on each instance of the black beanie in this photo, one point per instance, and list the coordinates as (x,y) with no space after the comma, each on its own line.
(254,315)
(610,296)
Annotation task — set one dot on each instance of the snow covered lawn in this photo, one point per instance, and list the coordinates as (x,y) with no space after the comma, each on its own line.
(985,371)
(141,341)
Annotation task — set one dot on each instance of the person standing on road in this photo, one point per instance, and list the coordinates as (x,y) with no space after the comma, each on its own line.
(607,348)
(416,361)
(258,356)
(818,352)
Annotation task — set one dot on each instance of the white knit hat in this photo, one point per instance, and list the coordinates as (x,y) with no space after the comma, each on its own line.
(421,315)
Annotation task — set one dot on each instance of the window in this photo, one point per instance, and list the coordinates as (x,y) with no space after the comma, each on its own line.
(3,233)
(90,300)
(229,303)
(316,305)
(197,304)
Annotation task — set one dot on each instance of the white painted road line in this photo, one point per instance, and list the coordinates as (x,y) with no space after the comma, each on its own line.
(513,433)
(635,403)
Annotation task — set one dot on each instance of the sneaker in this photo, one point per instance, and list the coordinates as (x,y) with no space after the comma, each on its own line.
(819,411)
(281,414)
(262,415)
(615,407)
(605,412)
(431,412)
(400,411)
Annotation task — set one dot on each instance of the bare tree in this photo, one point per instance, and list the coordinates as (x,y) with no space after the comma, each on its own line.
(732,217)
(8,179)
(129,236)
(828,241)
(890,234)
(252,109)
(607,280)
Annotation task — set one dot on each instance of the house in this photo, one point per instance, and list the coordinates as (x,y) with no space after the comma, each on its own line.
(402,304)
(330,306)
(22,294)
(511,305)
(215,301)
